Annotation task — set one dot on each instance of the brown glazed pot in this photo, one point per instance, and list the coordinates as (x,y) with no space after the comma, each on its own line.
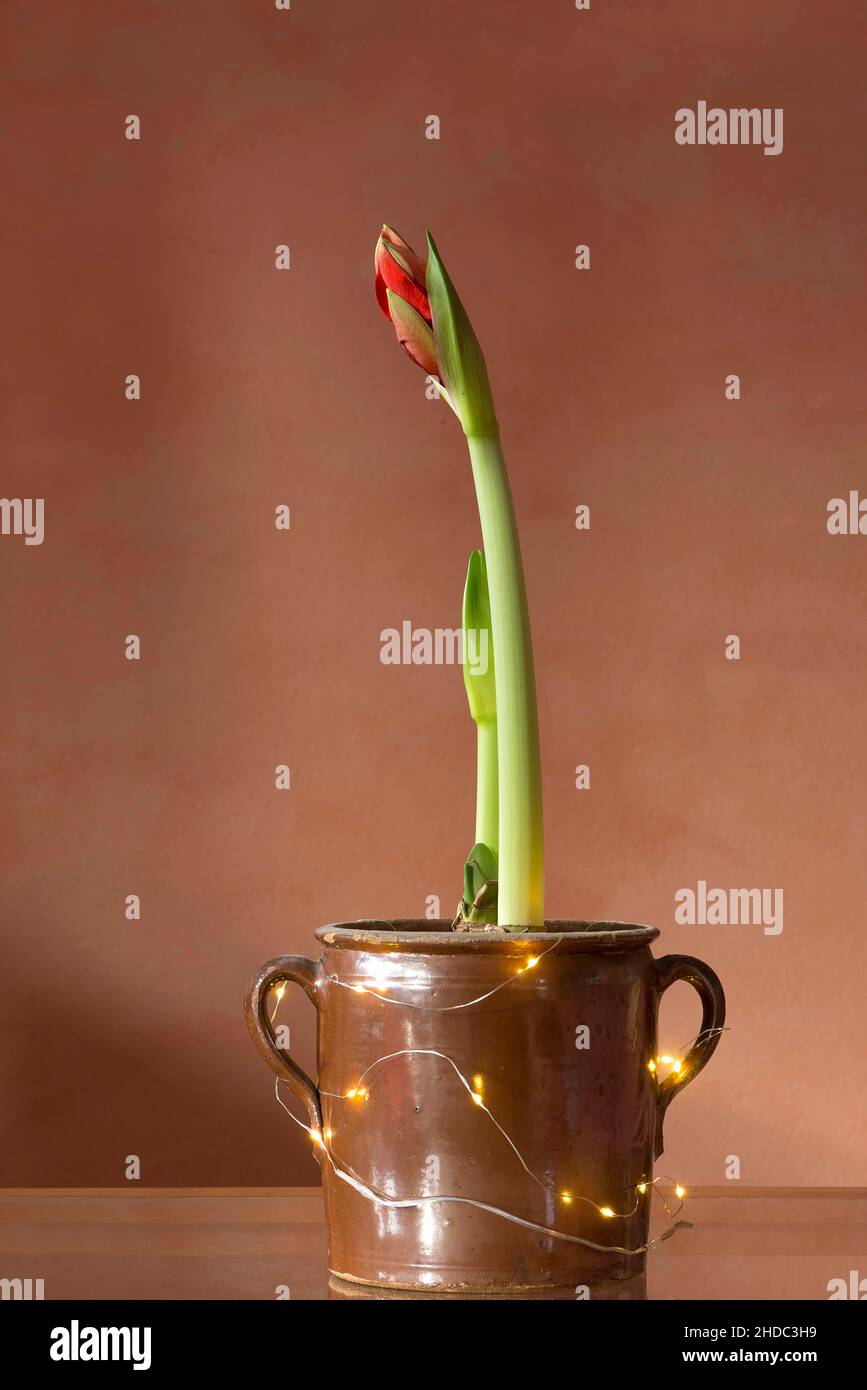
(586,1121)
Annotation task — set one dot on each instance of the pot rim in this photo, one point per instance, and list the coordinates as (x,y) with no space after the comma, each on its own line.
(411,933)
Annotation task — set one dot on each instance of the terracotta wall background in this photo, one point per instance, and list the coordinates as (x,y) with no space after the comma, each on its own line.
(259,647)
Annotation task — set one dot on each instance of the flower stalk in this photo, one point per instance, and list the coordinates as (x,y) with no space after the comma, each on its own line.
(520,849)
(432,325)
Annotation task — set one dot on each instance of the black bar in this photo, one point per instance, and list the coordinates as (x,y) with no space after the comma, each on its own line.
(271,1342)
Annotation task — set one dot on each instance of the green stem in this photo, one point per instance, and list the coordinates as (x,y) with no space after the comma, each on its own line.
(521,885)
(487,790)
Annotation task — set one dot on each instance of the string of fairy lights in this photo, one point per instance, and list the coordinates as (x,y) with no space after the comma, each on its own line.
(357,1092)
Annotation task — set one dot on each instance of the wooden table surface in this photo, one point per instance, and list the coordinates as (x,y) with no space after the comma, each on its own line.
(245,1243)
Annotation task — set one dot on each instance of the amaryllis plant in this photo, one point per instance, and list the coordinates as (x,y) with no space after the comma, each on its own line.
(504,872)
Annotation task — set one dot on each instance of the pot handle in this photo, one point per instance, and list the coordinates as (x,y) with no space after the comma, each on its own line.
(713,1015)
(300,971)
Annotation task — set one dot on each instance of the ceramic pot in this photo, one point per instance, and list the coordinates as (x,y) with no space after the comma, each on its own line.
(553,1033)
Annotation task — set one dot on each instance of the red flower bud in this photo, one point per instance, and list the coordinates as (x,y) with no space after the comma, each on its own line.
(401,292)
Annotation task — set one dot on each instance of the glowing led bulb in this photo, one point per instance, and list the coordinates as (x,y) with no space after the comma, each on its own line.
(477,1098)
(358,989)
(677,1064)
(316,1137)
(566,1197)
(666,1061)
(605,1211)
(680,1192)
(352,1093)
(280,991)
(534,960)
(642,1188)
(651,1066)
